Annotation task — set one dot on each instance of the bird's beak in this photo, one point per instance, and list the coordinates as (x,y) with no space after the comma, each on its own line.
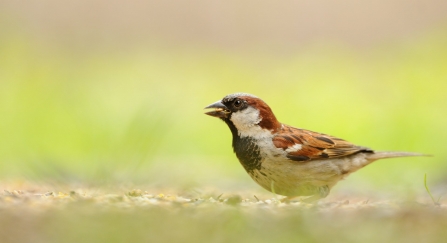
(220,110)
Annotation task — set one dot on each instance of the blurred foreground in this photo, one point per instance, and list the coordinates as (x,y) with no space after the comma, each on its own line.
(86,215)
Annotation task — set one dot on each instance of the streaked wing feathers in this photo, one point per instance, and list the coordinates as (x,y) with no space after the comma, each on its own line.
(304,145)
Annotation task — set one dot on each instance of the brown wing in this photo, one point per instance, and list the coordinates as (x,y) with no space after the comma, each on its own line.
(312,145)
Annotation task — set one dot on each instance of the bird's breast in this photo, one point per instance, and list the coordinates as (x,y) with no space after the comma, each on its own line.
(248,152)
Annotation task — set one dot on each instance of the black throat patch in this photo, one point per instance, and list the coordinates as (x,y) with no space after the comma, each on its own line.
(246,149)
(248,153)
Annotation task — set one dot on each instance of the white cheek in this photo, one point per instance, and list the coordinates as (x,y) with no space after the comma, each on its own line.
(246,122)
(246,118)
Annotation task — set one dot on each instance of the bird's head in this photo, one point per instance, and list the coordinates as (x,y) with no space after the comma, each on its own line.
(247,113)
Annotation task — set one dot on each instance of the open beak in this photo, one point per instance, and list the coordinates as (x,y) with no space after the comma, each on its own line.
(220,110)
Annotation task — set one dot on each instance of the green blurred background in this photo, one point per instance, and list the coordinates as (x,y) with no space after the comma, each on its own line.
(112,93)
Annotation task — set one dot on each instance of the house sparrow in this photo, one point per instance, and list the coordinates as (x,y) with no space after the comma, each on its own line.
(286,160)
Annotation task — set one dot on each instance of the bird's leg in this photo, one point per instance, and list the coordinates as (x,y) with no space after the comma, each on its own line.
(322,192)
(310,199)
(287,199)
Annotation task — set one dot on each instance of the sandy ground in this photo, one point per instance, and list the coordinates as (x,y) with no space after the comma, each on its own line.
(40,213)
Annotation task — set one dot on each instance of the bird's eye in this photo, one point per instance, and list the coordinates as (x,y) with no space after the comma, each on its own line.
(237,103)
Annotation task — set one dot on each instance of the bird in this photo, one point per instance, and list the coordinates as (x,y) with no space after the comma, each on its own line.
(286,160)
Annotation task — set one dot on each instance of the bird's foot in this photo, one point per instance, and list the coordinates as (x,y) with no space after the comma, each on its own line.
(310,200)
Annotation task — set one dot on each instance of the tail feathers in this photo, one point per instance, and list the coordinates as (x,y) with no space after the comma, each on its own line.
(386,154)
